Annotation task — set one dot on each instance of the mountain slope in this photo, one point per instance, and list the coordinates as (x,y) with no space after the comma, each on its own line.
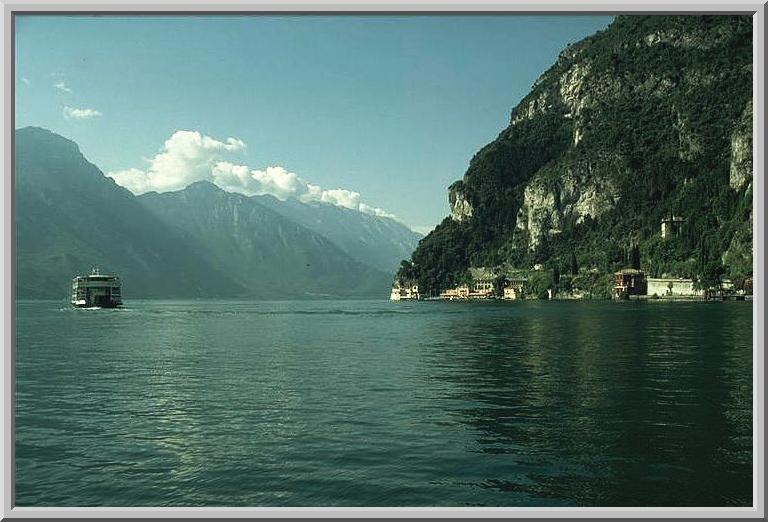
(646,119)
(69,216)
(379,242)
(265,252)
(198,242)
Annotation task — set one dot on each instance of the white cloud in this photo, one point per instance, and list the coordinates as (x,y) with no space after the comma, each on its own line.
(186,157)
(25,80)
(376,211)
(276,181)
(60,85)
(189,156)
(80,114)
(134,180)
(282,184)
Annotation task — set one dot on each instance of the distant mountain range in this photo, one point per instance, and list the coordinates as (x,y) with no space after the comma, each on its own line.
(379,242)
(197,242)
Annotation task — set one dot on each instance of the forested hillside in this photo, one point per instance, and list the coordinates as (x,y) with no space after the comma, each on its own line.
(648,119)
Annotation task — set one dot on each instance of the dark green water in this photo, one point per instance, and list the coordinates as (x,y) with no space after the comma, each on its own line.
(210,403)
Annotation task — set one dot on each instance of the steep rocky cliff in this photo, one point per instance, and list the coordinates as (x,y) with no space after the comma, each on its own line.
(741,151)
(648,118)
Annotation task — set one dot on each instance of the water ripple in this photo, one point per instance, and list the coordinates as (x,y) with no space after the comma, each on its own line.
(361,403)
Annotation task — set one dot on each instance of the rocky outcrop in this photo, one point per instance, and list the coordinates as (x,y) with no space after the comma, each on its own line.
(741,151)
(566,195)
(461,208)
(539,105)
(703,38)
(574,95)
(689,144)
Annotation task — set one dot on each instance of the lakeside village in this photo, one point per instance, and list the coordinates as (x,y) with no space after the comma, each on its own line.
(539,283)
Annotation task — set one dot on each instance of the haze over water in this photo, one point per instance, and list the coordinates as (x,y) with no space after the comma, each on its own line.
(371,403)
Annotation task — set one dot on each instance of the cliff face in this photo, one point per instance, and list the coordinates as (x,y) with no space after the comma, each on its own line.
(647,118)
(564,195)
(741,151)
(461,208)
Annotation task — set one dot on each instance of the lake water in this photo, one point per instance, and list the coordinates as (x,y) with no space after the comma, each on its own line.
(372,403)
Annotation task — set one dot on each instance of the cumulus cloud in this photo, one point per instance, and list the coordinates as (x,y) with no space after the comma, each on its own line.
(60,85)
(134,180)
(189,156)
(279,182)
(186,157)
(80,114)
(276,181)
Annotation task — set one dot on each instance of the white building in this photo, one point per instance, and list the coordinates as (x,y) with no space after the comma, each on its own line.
(671,226)
(404,292)
(511,293)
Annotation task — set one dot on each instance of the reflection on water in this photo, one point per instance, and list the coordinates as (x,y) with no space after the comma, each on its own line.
(376,403)
(621,405)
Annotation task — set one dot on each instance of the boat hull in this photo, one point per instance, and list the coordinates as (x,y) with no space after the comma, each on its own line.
(111,304)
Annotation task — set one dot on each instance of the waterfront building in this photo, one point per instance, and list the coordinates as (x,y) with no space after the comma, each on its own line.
(402,292)
(459,292)
(482,288)
(483,283)
(510,293)
(513,288)
(629,282)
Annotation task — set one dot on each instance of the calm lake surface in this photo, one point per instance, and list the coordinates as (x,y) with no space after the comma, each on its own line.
(372,403)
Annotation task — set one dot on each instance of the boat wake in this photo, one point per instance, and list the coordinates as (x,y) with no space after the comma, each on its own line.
(91,308)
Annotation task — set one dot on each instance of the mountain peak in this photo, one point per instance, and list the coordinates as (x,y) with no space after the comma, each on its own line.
(45,136)
(203,186)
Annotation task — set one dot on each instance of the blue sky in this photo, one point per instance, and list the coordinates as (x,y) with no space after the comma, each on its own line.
(391,107)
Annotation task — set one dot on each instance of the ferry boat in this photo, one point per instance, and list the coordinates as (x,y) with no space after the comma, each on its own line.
(96,290)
